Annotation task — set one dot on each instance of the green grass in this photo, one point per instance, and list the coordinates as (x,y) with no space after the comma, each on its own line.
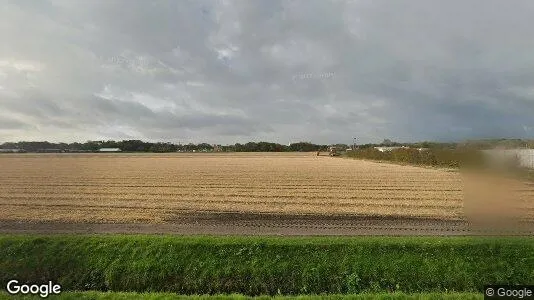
(168,296)
(267,266)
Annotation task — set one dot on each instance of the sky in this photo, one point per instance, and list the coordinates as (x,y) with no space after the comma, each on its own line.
(224,72)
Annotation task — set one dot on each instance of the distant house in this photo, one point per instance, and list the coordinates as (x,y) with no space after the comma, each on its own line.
(109,150)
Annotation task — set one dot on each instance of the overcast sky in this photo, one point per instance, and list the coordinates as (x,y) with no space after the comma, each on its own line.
(252,70)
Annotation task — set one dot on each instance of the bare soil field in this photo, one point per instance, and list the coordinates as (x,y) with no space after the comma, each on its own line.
(249,193)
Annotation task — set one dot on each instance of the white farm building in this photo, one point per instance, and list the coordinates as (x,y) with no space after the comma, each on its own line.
(385,149)
(109,150)
(11,150)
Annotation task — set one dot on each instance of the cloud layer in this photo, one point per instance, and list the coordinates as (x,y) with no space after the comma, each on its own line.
(283,71)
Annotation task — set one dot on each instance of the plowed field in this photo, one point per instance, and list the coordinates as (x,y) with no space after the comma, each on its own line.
(170,188)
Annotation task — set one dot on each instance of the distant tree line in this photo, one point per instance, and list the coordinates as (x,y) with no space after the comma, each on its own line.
(479,144)
(140,146)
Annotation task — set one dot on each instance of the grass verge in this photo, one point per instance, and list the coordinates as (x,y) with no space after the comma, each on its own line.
(267,266)
(443,158)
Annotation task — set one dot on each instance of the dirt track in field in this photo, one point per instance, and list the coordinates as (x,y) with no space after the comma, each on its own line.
(261,224)
(239,193)
(255,225)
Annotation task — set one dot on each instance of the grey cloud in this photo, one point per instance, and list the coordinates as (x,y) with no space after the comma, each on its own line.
(8,124)
(401,70)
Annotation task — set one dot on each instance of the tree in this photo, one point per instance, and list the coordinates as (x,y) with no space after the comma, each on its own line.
(387,142)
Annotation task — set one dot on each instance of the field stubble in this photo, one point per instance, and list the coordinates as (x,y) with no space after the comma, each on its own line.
(156,188)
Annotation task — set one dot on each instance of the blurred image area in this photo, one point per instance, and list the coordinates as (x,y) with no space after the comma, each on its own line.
(499,191)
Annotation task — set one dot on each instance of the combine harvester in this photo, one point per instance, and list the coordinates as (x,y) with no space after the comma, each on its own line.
(332,151)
